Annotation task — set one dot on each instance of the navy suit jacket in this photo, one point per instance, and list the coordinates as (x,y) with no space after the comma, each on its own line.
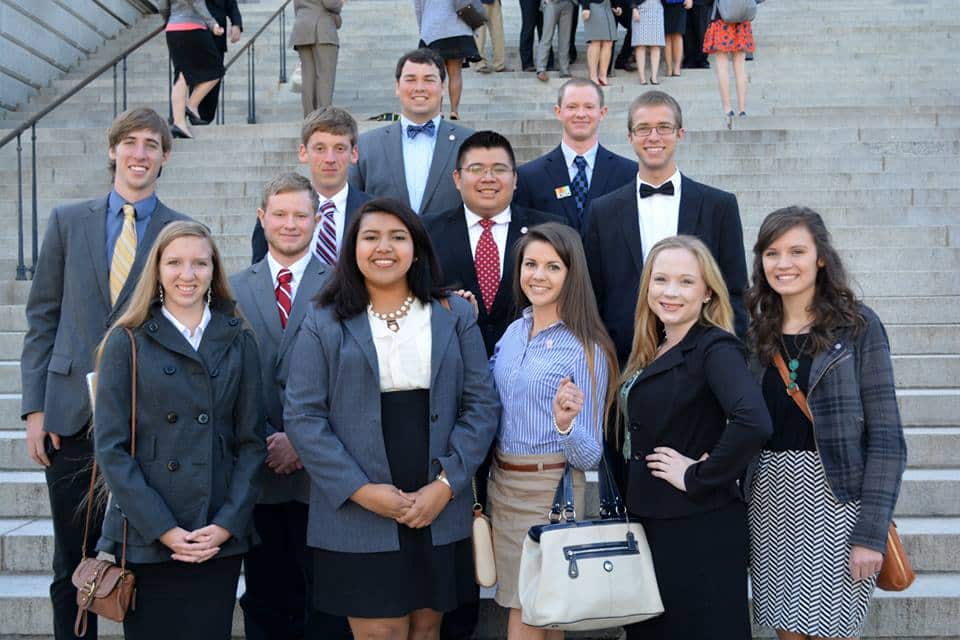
(258,242)
(451,241)
(538,180)
(611,240)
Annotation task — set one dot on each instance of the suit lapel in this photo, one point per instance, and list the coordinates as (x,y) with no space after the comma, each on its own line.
(359,327)
(457,242)
(691,199)
(442,324)
(355,199)
(217,338)
(96,232)
(559,176)
(518,222)
(393,150)
(630,221)
(163,331)
(265,299)
(601,174)
(310,285)
(444,147)
(158,221)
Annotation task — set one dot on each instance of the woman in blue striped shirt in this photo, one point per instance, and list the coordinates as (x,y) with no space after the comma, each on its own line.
(552,369)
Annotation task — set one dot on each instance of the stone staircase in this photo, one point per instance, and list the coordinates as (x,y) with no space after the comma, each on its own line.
(840,120)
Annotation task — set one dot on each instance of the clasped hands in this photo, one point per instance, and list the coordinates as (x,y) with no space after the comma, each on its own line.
(195,546)
(415,510)
(281,456)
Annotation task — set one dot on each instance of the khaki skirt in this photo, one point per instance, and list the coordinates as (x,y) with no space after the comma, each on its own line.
(518,500)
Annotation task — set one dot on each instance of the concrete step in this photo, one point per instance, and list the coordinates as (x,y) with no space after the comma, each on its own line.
(924,371)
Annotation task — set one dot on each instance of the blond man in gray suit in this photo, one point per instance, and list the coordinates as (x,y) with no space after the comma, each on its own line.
(314,38)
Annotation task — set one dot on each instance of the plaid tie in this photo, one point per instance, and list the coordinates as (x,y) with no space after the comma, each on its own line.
(326,248)
(579,185)
(283,290)
(124,251)
(487,262)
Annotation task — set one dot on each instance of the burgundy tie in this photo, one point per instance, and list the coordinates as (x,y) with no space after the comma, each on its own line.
(487,261)
(283,295)
(327,236)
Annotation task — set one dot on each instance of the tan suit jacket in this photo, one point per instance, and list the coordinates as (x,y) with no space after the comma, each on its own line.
(316,22)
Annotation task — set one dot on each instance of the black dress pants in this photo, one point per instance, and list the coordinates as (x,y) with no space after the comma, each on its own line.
(278,574)
(68,480)
(530,20)
(698,18)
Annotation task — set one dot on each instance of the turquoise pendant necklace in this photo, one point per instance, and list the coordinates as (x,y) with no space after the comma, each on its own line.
(793,363)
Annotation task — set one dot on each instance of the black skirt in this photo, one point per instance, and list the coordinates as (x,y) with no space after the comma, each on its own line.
(194,53)
(674,18)
(184,601)
(701,566)
(391,584)
(455,48)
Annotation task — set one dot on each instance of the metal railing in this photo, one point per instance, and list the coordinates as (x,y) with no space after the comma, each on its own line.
(120,104)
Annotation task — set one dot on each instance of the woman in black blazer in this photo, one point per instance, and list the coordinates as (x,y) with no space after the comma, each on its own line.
(694,417)
(187,494)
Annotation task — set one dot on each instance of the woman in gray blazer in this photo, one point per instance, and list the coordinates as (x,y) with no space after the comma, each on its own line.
(391,407)
(187,495)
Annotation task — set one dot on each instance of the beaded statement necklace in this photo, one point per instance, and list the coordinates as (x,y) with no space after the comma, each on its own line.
(793,363)
(392,317)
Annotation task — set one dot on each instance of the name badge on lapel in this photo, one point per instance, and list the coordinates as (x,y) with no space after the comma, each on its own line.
(562,192)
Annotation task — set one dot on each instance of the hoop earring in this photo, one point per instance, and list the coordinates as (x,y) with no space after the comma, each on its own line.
(161,294)
(209,295)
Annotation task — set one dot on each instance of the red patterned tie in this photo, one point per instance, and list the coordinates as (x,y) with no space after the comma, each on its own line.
(283,295)
(327,236)
(487,263)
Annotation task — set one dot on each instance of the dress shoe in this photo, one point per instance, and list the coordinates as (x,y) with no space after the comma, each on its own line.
(529,67)
(484,69)
(177,132)
(504,70)
(195,118)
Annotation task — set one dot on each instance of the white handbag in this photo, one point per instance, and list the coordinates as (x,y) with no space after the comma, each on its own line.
(484,564)
(585,575)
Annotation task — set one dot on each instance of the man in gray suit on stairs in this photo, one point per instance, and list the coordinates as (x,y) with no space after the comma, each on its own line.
(274,295)
(90,261)
(413,160)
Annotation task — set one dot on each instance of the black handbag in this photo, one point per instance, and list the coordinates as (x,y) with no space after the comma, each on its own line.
(473,17)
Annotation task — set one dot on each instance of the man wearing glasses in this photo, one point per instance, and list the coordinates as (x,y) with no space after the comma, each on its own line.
(621,227)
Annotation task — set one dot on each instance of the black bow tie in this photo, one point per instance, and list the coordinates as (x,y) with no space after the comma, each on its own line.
(666,189)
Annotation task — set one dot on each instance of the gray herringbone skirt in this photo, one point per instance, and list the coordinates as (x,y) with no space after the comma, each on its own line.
(799,556)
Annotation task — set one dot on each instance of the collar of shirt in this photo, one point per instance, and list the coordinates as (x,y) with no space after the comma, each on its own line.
(528,319)
(406,122)
(569,155)
(145,207)
(474,220)
(297,269)
(675,179)
(339,199)
(197,335)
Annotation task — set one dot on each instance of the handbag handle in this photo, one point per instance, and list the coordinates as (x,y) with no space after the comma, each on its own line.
(611,504)
(133,452)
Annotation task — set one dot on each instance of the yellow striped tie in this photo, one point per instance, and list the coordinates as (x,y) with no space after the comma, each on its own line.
(123,252)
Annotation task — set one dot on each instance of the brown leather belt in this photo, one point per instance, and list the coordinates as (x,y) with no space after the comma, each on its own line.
(506,466)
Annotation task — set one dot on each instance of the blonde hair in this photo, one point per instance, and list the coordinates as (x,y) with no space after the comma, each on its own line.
(147,290)
(717,312)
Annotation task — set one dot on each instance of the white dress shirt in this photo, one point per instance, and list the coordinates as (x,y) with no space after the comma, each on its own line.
(499,230)
(297,269)
(417,157)
(569,155)
(659,214)
(403,356)
(195,337)
(339,200)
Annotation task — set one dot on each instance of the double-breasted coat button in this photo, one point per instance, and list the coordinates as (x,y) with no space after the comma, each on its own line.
(172,465)
(203,418)
(638,456)
(634,426)
(234,322)
(152,326)
(215,373)
(434,418)
(171,417)
(169,370)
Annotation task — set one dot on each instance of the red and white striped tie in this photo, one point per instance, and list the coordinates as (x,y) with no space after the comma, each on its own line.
(326,248)
(283,292)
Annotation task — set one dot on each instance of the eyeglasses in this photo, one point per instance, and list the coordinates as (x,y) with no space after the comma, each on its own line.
(478,170)
(642,131)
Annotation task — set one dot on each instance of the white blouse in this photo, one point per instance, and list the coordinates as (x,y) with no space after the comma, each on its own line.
(404,356)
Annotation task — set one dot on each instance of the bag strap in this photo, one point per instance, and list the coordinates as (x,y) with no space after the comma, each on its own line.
(133,451)
(611,504)
(793,390)
(563,504)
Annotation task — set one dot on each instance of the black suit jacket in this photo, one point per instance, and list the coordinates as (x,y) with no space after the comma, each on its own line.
(221,10)
(538,180)
(258,242)
(698,397)
(611,239)
(451,241)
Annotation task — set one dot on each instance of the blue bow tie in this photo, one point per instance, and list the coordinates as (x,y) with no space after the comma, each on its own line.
(427,127)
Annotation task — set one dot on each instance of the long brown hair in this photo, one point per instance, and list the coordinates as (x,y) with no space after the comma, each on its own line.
(647,327)
(147,291)
(834,303)
(576,305)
